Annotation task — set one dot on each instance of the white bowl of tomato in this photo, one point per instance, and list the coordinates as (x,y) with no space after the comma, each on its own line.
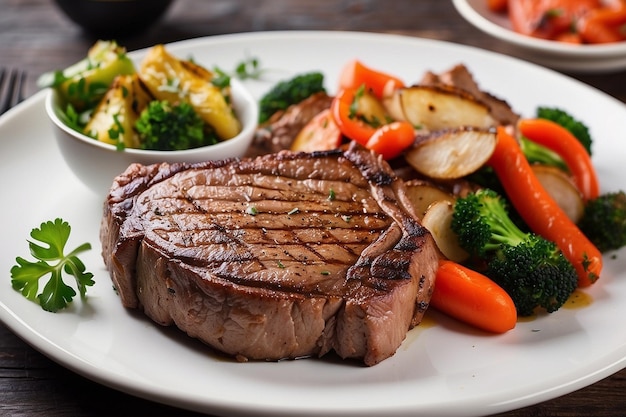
(579,36)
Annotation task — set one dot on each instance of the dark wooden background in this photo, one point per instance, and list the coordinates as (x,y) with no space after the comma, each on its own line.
(34,35)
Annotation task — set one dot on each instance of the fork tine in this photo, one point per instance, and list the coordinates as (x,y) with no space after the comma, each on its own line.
(19,88)
(6,90)
(12,90)
(3,73)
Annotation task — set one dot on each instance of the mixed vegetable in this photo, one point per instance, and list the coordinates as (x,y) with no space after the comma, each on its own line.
(572,21)
(166,104)
(515,208)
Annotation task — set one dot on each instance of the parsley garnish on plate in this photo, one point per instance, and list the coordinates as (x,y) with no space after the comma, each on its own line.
(51,260)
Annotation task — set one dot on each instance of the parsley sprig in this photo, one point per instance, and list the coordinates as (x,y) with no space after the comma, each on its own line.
(247,69)
(51,260)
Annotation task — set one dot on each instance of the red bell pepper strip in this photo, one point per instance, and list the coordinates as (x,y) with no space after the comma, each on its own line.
(355,74)
(389,140)
(392,139)
(346,119)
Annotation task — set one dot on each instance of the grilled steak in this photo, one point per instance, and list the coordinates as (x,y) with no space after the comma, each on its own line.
(279,132)
(280,256)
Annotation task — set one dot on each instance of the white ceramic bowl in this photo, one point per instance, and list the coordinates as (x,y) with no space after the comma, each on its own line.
(553,54)
(97,163)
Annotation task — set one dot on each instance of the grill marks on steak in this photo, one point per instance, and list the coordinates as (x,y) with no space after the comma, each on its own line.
(281,256)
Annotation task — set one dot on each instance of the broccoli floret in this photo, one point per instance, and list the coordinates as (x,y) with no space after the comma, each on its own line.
(534,273)
(604,221)
(576,127)
(289,92)
(169,127)
(531,269)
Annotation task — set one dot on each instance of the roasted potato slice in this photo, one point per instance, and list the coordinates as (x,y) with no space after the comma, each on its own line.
(393,106)
(114,117)
(197,70)
(438,107)
(169,79)
(320,134)
(438,220)
(371,109)
(424,193)
(453,153)
(562,189)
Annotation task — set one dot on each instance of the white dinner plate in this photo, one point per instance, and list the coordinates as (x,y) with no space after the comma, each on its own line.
(442,369)
(554,54)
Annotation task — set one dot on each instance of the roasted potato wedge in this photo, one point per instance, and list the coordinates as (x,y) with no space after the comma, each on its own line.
(371,109)
(562,189)
(168,79)
(393,106)
(424,193)
(453,153)
(437,220)
(113,119)
(438,107)
(197,70)
(86,81)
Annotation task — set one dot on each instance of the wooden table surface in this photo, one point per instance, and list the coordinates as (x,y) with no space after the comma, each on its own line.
(34,35)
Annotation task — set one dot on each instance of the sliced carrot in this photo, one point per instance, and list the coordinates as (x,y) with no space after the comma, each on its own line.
(473,298)
(540,212)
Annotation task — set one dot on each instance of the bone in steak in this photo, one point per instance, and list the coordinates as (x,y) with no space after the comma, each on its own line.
(280,256)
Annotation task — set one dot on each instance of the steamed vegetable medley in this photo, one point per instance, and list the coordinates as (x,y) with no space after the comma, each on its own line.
(513,203)
(166,104)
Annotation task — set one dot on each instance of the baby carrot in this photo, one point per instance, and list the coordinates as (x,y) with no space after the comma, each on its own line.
(557,138)
(540,211)
(473,298)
